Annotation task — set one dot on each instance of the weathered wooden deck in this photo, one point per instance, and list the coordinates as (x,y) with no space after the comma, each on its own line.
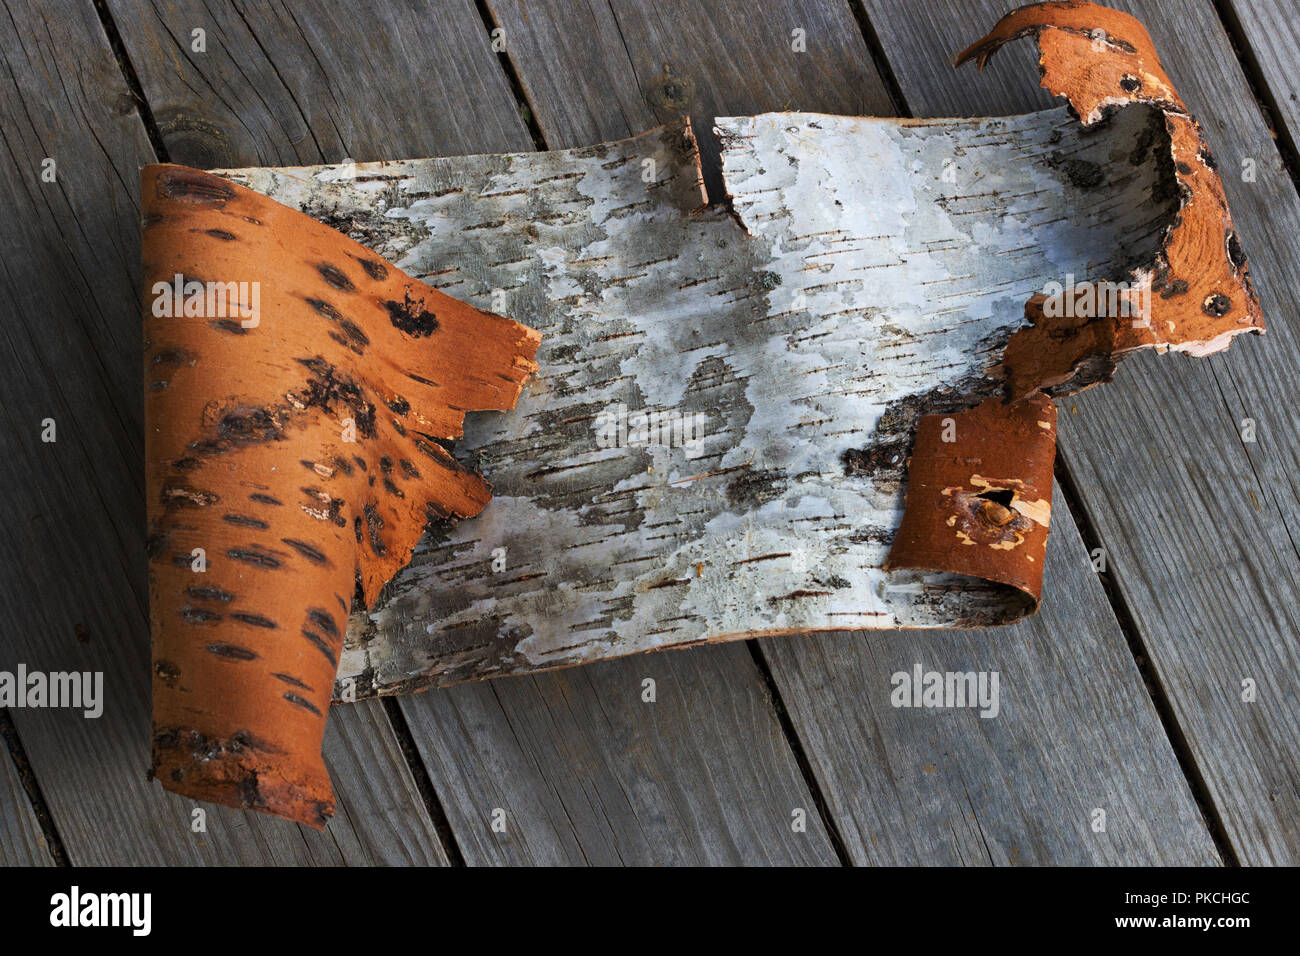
(1123,694)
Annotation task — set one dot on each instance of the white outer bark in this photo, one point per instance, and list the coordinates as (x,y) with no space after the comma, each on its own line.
(878,260)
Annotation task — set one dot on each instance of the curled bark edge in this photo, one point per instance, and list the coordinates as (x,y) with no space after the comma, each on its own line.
(298,392)
(1195,297)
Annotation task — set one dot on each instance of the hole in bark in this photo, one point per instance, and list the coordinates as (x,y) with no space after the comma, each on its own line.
(1003,496)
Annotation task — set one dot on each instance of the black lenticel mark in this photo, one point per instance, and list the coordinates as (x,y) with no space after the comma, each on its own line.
(374,524)
(221,234)
(256,620)
(167,672)
(264,499)
(411,316)
(325,309)
(1173,288)
(199,615)
(335,277)
(171,357)
(291,681)
(246,423)
(306,550)
(255,557)
(321,645)
(376,270)
(210,594)
(232,652)
(183,496)
(245,521)
(322,619)
(1217,305)
(354,332)
(190,185)
(229,325)
(301,702)
(409,469)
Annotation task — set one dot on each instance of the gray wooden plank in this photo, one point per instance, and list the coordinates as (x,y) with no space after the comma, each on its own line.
(576,767)
(326,96)
(282,84)
(596,73)
(21,841)
(380,816)
(1200,526)
(645,64)
(1271,31)
(73,557)
(1075,734)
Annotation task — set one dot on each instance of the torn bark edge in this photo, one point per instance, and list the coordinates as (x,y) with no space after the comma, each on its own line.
(1197,294)
(979,481)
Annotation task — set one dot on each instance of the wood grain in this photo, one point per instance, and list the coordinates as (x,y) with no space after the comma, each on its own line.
(281,83)
(646,64)
(1271,31)
(1199,526)
(379,814)
(21,841)
(73,554)
(365,106)
(830,683)
(577,767)
(1075,734)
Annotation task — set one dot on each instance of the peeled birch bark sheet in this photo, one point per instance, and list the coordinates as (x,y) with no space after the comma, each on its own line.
(715,443)
(852,284)
(823,404)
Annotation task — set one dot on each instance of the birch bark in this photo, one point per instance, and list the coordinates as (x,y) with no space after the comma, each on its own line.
(869,271)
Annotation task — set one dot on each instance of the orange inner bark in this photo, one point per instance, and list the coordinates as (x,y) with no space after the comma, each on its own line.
(290,448)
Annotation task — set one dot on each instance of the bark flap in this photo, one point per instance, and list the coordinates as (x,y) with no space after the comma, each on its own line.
(297,391)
